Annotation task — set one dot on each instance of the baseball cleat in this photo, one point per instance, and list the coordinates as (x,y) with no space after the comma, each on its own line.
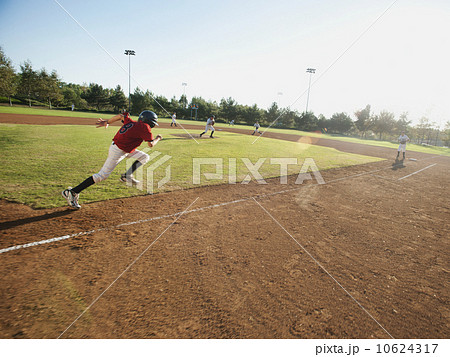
(129,179)
(71,197)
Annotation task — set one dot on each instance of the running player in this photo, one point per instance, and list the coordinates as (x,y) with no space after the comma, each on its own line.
(257,126)
(210,126)
(124,144)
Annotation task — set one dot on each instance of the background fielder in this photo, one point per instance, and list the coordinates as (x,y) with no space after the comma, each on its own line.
(210,126)
(124,144)
(257,126)
(174,119)
(403,139)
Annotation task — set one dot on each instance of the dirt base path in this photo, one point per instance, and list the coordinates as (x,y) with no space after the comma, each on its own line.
(365,255)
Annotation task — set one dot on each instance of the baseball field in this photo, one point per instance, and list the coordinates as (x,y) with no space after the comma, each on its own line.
(358,249)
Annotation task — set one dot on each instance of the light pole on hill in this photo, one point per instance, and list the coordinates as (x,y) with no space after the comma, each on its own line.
(129,53)
(279,96)
(310,71)
(184,94)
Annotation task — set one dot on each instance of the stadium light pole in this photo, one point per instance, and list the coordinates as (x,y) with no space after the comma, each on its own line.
(129,53)
(279,96)
(310,71)
(184,93)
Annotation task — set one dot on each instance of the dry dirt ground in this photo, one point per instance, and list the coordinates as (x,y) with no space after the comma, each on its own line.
(365,255)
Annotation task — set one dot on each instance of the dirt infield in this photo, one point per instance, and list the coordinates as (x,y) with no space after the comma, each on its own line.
(364,255)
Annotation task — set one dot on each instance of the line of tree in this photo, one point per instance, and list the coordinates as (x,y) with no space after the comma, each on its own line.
(40,87)
(384,126)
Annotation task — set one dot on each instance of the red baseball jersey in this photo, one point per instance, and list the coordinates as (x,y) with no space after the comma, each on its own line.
(132,134)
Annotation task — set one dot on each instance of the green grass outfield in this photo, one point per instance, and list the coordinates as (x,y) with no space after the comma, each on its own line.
(410,147)
(38,162)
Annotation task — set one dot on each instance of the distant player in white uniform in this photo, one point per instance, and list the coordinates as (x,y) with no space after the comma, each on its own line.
(174,119)
(210,126)
(231,123)
(402,139)
(257,126)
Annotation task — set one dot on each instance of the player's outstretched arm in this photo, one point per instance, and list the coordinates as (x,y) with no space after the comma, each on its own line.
(155,141)
(101,122)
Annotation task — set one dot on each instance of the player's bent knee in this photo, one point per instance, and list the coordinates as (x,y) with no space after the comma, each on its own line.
(100,176)
(144,159)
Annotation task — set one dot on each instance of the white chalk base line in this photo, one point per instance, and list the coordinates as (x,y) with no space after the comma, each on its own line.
(57,239)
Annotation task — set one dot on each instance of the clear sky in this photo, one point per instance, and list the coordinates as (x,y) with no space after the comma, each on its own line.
(248,50)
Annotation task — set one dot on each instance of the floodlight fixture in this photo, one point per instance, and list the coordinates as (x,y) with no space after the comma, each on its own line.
(129,53)
(310,71)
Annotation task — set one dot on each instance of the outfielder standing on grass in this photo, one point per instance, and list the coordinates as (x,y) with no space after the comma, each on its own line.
(403,138)
(210,126)
(128,138)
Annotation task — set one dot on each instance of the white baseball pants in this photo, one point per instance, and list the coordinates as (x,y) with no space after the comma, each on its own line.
(402,148)
(115,156)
